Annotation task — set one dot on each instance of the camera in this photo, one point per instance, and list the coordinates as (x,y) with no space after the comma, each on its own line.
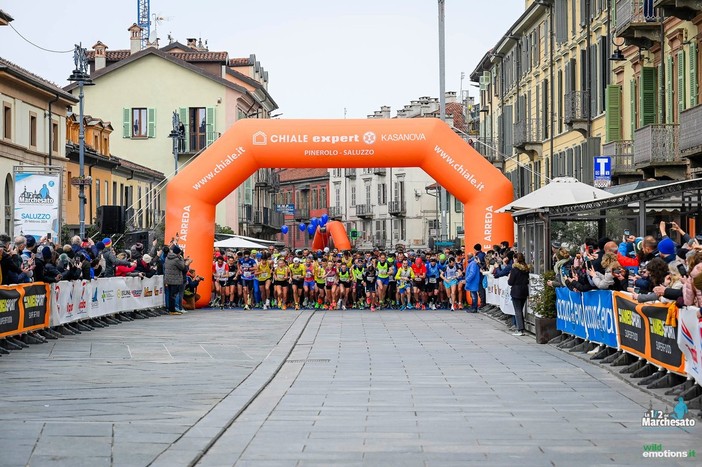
(627,232)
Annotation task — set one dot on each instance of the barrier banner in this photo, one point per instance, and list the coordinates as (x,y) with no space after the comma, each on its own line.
(9,311)
(35,306)
(23,308)
(690,341)
(104,296)
(569,312)
(631,324)
(662,339)
(497,293)
(588,315)
(598,312)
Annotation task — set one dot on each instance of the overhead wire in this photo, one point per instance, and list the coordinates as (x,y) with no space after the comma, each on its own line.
(38,46)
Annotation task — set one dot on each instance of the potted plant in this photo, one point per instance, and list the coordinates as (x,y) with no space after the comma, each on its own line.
(545,310)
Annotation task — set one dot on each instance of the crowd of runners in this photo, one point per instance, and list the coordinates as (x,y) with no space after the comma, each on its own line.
(332,279)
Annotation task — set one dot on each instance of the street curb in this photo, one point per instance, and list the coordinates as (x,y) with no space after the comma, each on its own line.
(189,448)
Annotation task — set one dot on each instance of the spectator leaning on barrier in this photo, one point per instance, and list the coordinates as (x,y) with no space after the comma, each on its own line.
(604,280)
(111,261)
(657,272)
(519,282)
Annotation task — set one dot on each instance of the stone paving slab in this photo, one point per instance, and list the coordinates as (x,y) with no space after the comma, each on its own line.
(123,394)
(441,388)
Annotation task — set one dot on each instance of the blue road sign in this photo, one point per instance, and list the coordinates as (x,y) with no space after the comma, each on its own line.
(603,168)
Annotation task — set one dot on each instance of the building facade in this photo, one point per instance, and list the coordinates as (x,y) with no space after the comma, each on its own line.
(32,128)
(144,88)
(572,80)
(114,181)
(308,191)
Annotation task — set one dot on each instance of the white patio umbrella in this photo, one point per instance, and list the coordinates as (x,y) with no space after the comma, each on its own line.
(561,191)
(238,242)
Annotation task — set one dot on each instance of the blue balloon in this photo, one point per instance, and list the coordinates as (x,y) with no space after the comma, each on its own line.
(325,219)
(284,229)
(302,227)
(314,221)
(311,228)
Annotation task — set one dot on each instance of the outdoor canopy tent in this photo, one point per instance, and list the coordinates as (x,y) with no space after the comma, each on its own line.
(562,190)
(239,242)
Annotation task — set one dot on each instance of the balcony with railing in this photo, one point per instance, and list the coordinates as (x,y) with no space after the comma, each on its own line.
(397,208)
(266,178)
(637,22)
(683,9)
(350,173)
(657,153)
(267,217)
(336,212)
(487,147)
(690,135)
(577,107)
(246,213)
(379,171)
(527,136)
(364,210)
(302,213)
(622,156)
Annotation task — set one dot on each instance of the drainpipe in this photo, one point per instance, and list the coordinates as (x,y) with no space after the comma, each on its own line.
(552,34)
(51,147)
(90,206)
(661,87)
(588,64)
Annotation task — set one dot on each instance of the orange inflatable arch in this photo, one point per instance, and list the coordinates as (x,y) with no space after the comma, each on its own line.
(193,194)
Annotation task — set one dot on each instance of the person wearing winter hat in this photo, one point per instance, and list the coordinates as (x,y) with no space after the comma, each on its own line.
(666,249)
(111,261)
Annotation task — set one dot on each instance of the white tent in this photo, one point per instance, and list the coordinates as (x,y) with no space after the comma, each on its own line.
(238,242)
(562,190)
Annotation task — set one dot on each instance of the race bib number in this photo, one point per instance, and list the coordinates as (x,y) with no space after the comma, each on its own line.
(432,280)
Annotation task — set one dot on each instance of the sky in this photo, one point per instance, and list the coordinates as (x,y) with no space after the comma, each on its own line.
(325,58)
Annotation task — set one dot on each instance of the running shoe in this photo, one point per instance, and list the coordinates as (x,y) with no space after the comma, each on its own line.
(284,307)
(343,307)
(519,333)
(409,306)
(297,306)
(402,308)
(246,307)
(372,308)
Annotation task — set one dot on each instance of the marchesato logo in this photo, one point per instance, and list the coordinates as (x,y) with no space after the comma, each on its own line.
(369,137)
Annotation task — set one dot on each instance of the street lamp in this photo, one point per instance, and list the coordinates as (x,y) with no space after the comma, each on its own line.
(80,75)
(442,109)
(178,136)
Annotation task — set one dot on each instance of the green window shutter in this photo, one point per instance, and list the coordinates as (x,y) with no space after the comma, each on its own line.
(681,81)
(126,123)
(151,118)
(632,101)
(613,115)
(661,80)
(183,115)
(693,74)
(669,90)
(211,135)
(647,96)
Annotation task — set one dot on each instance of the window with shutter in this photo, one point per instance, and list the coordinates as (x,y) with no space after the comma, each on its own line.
(613,115)
(669,90)
(211,119)
(152,123)
(693,74)
(661,79)
(632,100)
(681,81)
(184,116)
(647,96)
(126,123)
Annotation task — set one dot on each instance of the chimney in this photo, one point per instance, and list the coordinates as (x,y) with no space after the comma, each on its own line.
(100,55)
(134,38)
(385,110)
(450,97)
(191,42)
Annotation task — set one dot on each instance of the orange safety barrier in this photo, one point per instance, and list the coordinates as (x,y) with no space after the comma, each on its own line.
(252,144)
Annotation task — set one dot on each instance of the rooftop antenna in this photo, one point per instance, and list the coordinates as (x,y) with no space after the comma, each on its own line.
(157,20)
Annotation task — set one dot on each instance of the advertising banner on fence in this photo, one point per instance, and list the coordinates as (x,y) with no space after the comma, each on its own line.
(23,308)
(662,339)
(643,332)
(588,315)
(78,300)
(497,293)
(37,198)
(632,325)
(690,341)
